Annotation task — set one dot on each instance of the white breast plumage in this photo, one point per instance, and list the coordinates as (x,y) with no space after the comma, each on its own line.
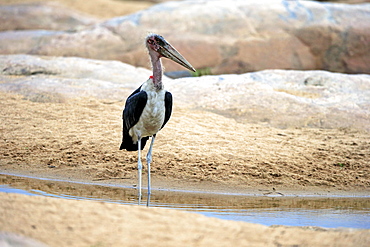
(152,118)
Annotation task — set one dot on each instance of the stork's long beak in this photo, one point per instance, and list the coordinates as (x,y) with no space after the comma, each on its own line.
(170,52)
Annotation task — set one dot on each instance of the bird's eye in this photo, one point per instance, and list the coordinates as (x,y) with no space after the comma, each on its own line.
(150,41)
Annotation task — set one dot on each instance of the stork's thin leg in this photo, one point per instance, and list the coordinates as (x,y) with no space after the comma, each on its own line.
(149,160)
(139,168)
(148,201)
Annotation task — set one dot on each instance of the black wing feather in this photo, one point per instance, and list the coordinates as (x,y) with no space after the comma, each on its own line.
(134,107)
(168,106)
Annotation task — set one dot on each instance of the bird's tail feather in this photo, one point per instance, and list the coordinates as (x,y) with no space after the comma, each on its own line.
(129,145)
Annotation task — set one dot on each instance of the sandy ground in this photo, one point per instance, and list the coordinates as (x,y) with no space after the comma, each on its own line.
(197,150)
(78,140)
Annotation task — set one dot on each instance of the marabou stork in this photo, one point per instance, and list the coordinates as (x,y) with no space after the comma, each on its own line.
(149,107)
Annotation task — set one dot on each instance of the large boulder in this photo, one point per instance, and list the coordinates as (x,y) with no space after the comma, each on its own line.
(227,36)
(94,42)
(56,79)
(282,98)
(277,98)
(47,16)
(249,36)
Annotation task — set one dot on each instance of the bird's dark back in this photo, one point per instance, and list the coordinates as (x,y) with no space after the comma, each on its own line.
(134,106)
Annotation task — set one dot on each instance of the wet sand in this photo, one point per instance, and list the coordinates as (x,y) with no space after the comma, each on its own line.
(267,208)
(59,222)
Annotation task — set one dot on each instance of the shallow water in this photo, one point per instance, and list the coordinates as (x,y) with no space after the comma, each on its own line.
(330,212)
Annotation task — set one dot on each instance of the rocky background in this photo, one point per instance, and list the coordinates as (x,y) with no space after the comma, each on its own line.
(217,38)
(226,38)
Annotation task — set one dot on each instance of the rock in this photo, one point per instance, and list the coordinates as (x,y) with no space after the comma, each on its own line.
(277,98)
(282,98)
(47,16)
(228,38)
(105,9)
(55,79)
(74,68)
(89,43)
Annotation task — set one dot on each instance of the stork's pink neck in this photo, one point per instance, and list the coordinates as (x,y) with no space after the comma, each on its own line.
(157,69)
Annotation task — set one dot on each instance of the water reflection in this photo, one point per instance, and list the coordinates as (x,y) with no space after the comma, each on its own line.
(294,211)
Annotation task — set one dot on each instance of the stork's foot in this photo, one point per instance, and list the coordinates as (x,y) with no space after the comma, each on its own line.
(273,192)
